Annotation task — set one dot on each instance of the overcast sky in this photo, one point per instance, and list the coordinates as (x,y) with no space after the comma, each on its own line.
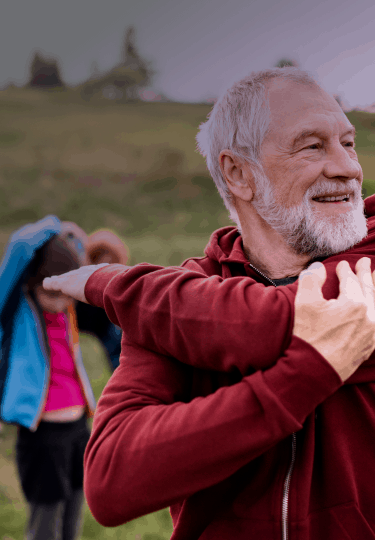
(198,47)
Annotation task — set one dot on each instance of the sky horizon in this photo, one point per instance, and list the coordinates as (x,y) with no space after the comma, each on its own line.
(198,48)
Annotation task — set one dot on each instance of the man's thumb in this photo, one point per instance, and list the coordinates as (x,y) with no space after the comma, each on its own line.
(310,283)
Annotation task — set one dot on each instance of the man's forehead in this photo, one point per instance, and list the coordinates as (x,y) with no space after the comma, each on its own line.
(297,108)
(282,88)
(289,97)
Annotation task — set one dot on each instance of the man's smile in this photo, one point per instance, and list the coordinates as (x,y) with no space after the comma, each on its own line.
(333,198)
(339,201)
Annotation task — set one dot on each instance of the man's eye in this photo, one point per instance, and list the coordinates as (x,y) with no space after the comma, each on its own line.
(349,144)
(314,146)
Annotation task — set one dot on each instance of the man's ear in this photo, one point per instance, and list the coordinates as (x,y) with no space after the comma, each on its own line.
(237,174)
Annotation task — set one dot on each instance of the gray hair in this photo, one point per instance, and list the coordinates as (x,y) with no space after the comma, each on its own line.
(239,122)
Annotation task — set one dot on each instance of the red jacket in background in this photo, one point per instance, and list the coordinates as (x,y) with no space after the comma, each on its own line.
(217,446)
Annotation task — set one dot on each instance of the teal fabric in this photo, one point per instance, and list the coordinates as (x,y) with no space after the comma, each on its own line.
(27,374)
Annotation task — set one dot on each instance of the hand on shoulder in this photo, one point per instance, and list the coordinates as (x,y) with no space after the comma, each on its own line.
(342,330)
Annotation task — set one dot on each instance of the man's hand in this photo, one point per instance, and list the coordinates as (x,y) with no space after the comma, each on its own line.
(342,330)
(72,283)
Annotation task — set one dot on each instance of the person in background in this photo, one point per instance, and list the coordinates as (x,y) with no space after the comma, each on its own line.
(103,247)
(44,388)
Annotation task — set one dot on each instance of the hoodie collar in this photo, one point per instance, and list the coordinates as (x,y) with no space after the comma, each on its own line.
(225,246)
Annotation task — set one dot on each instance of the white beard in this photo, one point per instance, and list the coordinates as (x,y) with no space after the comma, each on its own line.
(306,230)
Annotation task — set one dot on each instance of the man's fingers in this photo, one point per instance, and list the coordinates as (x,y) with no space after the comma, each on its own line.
(72,283)
(350,288)
(363,271)
(62,285)
(51,284)
(69,284)
(56,283)
(310,283)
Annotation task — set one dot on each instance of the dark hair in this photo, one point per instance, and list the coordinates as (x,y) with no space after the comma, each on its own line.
(52,259)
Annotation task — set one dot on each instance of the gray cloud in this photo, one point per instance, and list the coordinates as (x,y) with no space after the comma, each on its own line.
(198,47)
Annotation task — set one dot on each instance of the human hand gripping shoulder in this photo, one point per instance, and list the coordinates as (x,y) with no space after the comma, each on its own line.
(342,330)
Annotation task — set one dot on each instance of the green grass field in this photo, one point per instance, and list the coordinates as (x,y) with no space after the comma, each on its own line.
(131,168)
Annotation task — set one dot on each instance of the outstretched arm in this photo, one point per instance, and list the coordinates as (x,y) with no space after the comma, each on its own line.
(216,339)
(207,322)
(203,321)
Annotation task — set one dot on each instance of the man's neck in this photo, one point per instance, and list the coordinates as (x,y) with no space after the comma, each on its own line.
(274,265)
(268,252)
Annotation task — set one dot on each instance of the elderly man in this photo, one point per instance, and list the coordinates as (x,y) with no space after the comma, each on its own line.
(275,450)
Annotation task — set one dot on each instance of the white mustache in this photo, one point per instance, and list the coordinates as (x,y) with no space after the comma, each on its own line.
(328,186)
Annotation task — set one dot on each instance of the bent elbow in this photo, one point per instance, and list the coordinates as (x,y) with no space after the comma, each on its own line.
(110,502)
(103,505)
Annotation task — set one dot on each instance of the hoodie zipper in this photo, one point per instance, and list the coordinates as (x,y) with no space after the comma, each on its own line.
(261,273)
(286,488)
(285,499)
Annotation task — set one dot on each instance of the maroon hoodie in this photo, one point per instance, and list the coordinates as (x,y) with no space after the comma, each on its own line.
(273,444)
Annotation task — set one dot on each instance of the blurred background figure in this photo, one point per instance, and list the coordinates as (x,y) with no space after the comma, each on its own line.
(44,388)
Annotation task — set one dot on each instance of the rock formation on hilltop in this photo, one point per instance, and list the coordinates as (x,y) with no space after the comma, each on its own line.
(45,73)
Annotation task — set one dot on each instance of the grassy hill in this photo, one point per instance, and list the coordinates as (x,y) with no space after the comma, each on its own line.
(131,168)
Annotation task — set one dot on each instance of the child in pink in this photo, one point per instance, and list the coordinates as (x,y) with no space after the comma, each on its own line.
(64,390)
(50,457)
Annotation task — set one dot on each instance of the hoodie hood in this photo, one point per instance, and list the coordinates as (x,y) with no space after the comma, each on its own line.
(225,246)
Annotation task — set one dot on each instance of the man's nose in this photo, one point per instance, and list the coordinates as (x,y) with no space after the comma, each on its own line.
(341,165)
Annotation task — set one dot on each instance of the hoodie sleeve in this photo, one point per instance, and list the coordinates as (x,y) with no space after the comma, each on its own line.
(207,322)
(152,445)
